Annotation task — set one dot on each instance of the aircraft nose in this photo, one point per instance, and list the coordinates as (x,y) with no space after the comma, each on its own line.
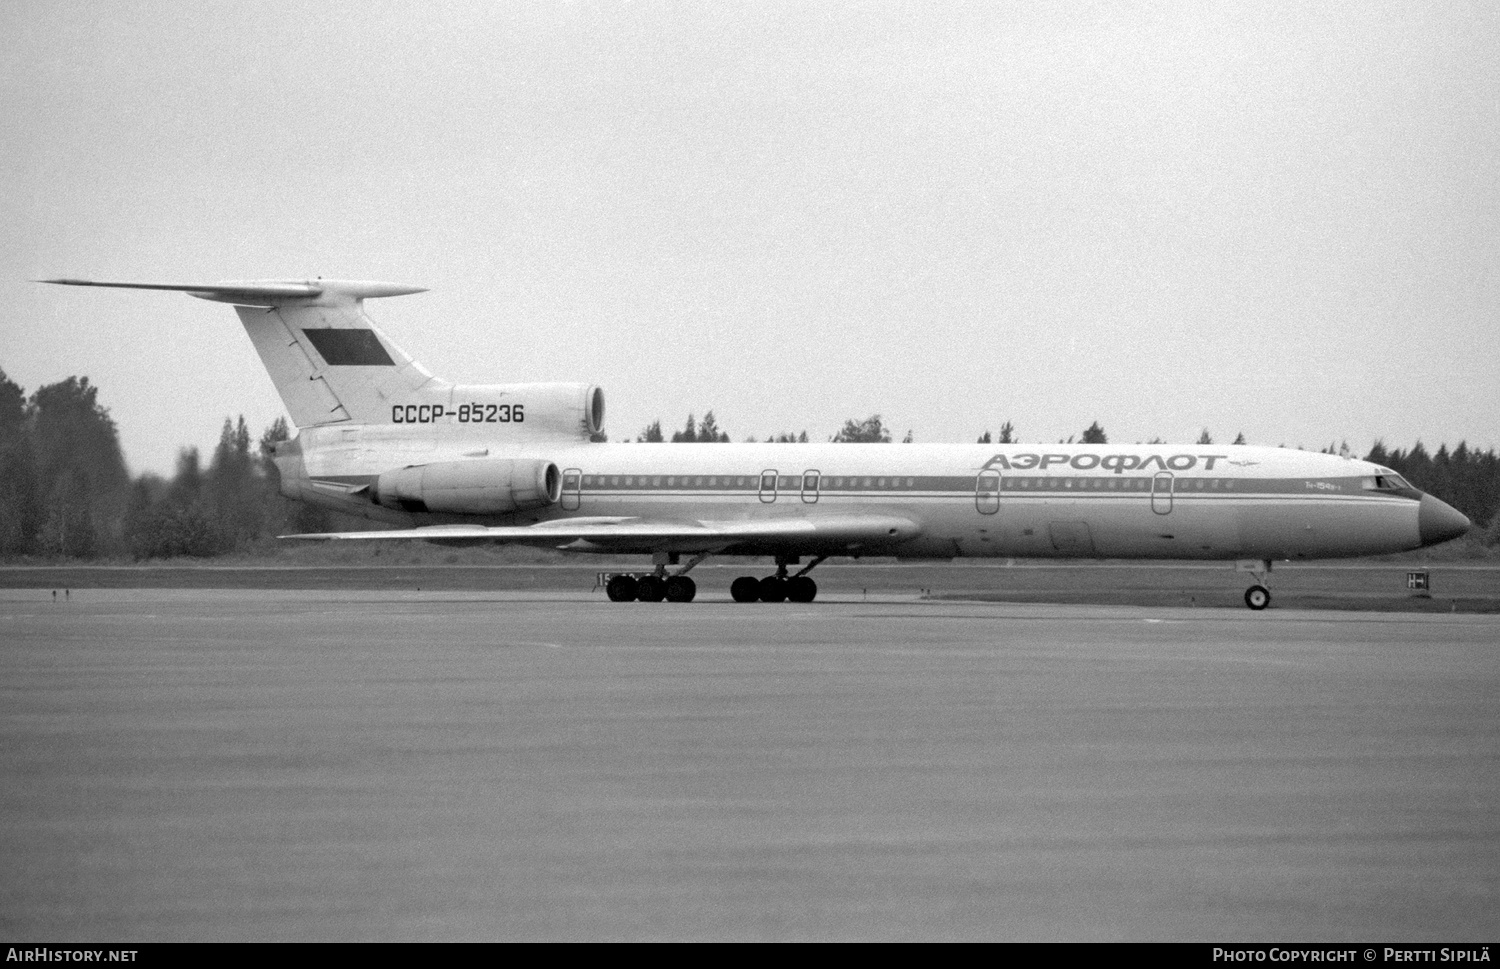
(1437,521)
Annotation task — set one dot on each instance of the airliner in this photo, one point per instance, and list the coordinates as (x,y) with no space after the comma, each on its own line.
(381,437)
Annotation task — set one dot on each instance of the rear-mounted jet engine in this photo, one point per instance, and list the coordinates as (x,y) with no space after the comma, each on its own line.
(483,486)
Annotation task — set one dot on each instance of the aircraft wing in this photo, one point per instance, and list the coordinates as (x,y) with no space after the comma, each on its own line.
(825,532)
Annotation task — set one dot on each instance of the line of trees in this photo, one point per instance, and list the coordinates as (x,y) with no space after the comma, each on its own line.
(225,507)
(63,482)
(1093,434)
(65,491)
(871,430)
(707,432)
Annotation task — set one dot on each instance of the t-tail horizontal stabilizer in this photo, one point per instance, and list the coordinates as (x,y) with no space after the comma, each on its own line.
(329,361)
(265,292)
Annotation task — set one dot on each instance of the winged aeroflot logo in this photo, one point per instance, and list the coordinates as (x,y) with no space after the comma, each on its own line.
(1118,463)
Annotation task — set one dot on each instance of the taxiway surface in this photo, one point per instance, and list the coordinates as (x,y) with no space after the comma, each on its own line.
(220,764)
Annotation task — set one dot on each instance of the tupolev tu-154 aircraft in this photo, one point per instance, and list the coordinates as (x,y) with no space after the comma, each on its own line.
(381,437)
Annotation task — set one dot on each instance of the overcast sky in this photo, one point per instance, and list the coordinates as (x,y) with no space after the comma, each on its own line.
(1281,219)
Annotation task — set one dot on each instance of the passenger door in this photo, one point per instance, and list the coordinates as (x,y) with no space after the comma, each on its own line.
(810,480)
(987,491)
(1161,493)
(572,489)
(768,485)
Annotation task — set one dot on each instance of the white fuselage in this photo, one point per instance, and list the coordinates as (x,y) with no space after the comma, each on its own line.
(979,500)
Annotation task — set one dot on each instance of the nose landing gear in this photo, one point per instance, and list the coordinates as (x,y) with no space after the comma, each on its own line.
(1257,597)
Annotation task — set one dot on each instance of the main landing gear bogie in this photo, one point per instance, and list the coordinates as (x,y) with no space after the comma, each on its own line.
(651,588)
(773,588)
(779,587)
(655,586)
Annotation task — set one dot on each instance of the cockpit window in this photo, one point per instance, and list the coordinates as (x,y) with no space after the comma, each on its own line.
(1387,481)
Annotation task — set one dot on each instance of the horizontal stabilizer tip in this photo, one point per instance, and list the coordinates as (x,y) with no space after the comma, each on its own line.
(264,292)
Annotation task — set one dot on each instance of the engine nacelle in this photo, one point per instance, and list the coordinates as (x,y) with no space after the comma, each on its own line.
(483,486)
(574,411)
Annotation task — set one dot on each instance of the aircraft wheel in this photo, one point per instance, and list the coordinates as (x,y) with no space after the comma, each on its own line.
(680,588)
(621,588)
(772,589)
(1257,597)
(649,588)
(801,589)
(745,589)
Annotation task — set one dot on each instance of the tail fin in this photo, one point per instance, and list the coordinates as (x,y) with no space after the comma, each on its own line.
(329,361)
